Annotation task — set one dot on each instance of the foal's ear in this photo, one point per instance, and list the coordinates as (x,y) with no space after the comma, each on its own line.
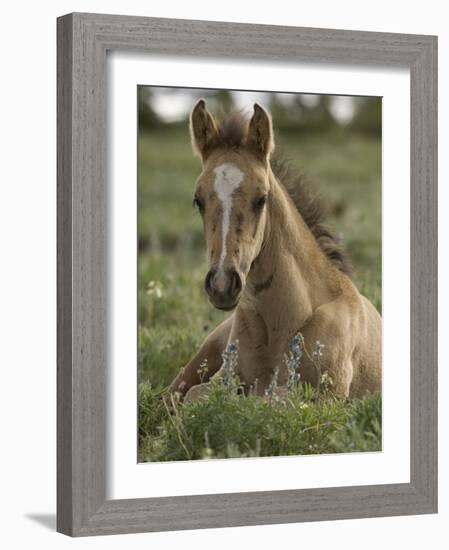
(203,130)
(260,133)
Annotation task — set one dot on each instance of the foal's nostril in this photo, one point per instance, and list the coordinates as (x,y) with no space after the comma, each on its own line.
(236,283)
(208,280)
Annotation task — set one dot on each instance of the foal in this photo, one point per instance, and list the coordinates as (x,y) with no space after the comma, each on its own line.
(275,267)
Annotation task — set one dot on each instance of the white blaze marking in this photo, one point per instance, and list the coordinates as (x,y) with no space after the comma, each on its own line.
(228,178)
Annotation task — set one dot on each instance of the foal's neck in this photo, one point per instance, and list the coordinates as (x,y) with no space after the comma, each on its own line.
(291,276)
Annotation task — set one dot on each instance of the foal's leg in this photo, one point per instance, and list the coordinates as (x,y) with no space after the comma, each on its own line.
(333,325)
(209,354)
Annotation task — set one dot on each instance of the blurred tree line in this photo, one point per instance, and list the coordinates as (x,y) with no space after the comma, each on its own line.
(299,112)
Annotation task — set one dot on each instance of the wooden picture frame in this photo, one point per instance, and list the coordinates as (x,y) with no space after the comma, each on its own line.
(83,40)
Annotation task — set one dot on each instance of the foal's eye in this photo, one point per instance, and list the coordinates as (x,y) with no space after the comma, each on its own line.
(198,203)
(260,202)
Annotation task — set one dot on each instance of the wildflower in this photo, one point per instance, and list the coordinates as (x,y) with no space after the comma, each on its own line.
(318,352)
(202,370)
(230,358)
(326,381)
(273,384)
(154,288)
(293,360)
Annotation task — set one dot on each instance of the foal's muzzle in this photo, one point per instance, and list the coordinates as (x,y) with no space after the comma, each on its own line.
(223,288)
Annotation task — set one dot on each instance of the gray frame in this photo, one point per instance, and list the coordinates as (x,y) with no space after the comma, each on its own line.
(83,40)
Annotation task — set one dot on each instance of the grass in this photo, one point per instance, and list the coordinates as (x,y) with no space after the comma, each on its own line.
(229,425)
(174,315)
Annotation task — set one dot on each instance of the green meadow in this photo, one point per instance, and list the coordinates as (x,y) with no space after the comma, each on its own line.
(174,314)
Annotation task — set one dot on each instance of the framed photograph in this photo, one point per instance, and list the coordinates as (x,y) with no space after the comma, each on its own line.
(247,280)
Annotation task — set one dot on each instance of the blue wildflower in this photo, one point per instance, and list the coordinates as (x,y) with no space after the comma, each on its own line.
(230,359)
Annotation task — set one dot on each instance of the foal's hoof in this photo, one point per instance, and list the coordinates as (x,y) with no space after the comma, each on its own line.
(197,392)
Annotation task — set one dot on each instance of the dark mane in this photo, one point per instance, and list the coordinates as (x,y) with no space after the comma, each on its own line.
(232,130)
(312,210)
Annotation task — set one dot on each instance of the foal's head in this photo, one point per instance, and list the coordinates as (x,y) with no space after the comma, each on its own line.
(231,195)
